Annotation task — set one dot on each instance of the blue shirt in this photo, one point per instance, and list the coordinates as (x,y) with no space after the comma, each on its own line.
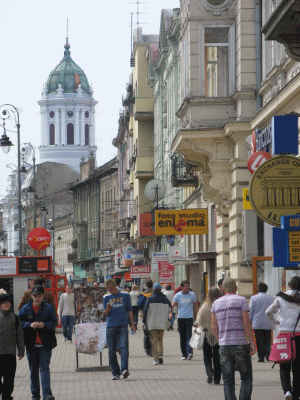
(258,305)
(121,305)
(185,304)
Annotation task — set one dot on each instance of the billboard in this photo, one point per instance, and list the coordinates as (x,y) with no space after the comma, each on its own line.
(181,222)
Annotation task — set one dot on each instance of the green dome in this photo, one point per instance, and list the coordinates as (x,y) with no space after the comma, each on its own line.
(68,74)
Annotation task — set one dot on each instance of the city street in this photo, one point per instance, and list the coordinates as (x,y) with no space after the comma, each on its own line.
(175,379)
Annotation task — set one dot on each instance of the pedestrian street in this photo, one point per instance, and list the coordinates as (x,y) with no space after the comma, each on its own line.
(174,379)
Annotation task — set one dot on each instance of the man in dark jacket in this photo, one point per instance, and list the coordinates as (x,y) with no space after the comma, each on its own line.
(11,338)
(141,303)
(38,320)
(155,319)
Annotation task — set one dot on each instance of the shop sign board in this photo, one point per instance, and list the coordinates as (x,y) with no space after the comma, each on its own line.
(140,271)
(256,159)
(8,266)
(283,127)
(130,254)
(181,222)
(39,239)
(145,225)
(34,265)
(176,253)
(158,257)
(166,272)
(246,200)
(274,189)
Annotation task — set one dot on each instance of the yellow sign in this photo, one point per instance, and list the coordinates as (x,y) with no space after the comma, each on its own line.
(294,246)
(181,222)
(275,187)
(246,200)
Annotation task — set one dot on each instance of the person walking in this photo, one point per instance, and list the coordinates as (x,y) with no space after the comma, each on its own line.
(38,320)
(134,296)
(48,298)
(141,303)
(11,338)
(117,306)
(231,326)
(155,319)
(186,302)
(288,304)
(260,322)
(169,293)
(210,345)
(66,313)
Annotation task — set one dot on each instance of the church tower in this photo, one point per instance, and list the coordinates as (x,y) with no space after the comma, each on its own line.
(67,115)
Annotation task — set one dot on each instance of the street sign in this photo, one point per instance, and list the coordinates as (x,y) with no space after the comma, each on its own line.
(256,159)
(294,246)
(274,188)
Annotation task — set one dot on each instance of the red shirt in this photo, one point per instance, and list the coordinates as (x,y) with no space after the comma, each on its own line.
(38,339)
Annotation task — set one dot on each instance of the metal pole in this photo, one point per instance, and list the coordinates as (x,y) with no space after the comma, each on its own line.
(19,192)
(53,243)
(34,192)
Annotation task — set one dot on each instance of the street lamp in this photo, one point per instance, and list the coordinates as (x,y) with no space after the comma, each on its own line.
(9,111)
(31,190)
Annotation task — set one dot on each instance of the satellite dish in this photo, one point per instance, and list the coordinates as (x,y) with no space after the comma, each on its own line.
(155,190)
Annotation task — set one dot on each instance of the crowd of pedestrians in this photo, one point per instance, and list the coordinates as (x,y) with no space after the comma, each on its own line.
(234,331)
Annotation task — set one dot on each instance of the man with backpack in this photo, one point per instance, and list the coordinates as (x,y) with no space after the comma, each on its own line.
(141,303)
(11,338)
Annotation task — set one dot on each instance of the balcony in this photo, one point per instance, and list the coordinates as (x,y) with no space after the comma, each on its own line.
(72,257)
(182,176)
(144,167)
(284,27)
(89,254)
(143,108)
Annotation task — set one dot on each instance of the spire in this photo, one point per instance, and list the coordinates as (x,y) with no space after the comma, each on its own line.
(67,53)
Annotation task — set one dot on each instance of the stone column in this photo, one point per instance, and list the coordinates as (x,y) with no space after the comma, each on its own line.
(77,127)
(82,130)
(63,137)
(57,127)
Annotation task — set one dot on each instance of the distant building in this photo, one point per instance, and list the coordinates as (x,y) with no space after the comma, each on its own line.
(67,115)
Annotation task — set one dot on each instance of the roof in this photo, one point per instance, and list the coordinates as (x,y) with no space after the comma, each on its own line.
(68,74)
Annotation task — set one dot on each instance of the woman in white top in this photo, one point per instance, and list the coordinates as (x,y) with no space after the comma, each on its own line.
(288,303)
(134,295)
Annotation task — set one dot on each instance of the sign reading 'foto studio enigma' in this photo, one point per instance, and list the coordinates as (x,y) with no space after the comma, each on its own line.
(181,222)
(275,189)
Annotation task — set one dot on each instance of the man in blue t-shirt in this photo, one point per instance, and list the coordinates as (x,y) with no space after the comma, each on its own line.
(117,306)
(187,312)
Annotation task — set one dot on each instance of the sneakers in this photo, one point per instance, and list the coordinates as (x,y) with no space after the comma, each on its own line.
(50,398)
(155,362)
(115,378)
(210,377)
(125,374)
(161,361)
(288,396)
(70,341)
(190,356)
(65,340)
(183,358)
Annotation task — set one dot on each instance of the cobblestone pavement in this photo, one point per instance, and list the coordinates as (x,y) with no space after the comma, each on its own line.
(174,379)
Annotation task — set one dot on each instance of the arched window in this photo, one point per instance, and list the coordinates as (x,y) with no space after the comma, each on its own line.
(87,135)
(70,134)
(52,134)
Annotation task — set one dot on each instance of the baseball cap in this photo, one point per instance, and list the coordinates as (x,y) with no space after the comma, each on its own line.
(157,286)
(37,289)
(4,297)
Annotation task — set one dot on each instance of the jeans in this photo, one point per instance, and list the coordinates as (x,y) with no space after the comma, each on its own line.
(39,361)
(263,340)
(114,335)
(171,322)
(285,373)
(7,372)
(185,326)
(135,310)
(68,322)
(232,357)
(156,336)
(211,353)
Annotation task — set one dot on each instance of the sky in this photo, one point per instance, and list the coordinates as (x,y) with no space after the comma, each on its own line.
(33,34)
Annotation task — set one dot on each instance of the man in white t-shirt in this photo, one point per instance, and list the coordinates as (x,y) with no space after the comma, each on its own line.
(66,313)
(187,312)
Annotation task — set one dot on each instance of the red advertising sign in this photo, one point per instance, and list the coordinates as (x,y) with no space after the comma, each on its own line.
(256,159)
(145,228)
(39,239)
(140,270)
(166,272)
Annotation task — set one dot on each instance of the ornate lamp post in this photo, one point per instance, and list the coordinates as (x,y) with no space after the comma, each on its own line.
(9,111)
(31,190)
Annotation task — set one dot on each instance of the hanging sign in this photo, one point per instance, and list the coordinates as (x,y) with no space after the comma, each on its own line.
(181,222)
(256,159)
(39,239)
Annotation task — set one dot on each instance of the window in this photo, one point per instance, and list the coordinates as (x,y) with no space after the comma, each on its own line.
(70,134)
(87,114)
(86,134)
(217,60)
(51,114)
(52,134)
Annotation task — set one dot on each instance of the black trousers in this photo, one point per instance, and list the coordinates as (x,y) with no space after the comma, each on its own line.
(285,374)
(263,341)
(211,357)
(7,374)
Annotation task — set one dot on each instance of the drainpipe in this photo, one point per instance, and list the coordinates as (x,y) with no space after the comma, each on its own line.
(258,39)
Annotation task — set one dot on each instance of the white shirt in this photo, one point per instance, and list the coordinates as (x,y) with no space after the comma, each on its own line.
(66,305)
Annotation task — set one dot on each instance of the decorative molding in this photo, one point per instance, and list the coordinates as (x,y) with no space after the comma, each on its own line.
(216,7)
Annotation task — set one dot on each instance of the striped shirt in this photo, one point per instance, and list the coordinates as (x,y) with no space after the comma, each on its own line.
(228,310)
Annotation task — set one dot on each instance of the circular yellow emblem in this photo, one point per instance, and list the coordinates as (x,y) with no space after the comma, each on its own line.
(275,189)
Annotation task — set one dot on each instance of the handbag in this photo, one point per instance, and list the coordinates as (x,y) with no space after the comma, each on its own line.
(197,338)
(284,347)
